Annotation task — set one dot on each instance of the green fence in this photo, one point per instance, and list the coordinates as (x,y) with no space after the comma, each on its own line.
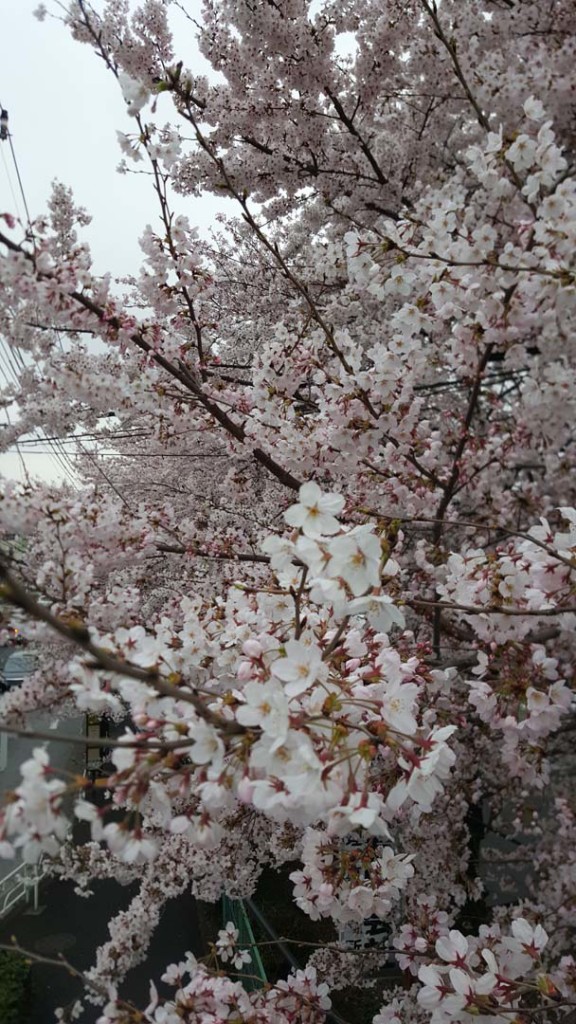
(252,975)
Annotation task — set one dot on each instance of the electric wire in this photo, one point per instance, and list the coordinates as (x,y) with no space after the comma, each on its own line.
(7,353)
(10,185)
(18,175)
(110,483)
(139,455)
(57,450)
(19,453)
(92,435)
(6,411)
(20,181)
(8,356)
(70,473)
(61,459)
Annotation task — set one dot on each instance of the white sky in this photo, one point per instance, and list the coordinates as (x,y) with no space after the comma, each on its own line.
(65,109)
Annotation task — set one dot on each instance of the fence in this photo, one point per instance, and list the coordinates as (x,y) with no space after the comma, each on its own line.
(21,884)
(251,975)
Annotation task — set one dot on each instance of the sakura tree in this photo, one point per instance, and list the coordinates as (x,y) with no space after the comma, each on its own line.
(327,581)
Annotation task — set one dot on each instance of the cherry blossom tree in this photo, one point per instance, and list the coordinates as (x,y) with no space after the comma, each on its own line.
(325,586)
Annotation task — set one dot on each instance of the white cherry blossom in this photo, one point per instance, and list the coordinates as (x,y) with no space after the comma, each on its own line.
(300,667)
(265,706)
(315,513)
(355,558)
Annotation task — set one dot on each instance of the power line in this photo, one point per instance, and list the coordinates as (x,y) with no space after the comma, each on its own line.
(20,456)
(9,369)
(90,436)
(111,438)
(110,483)
(58,454)
(65,461)
(57,450)
(20,182)
(137,455)
(10,185)
(8,135)
(7,353)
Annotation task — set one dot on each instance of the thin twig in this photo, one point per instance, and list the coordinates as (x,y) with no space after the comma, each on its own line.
(102,741)
(79,635)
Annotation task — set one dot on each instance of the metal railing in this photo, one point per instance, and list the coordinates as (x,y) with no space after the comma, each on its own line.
(22,884)
(254,973)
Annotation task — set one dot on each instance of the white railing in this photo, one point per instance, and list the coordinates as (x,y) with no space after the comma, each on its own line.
(21,884)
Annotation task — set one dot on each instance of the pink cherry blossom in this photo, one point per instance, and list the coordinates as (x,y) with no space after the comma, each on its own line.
(311,565)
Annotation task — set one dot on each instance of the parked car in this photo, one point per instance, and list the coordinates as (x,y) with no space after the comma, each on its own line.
(17,666)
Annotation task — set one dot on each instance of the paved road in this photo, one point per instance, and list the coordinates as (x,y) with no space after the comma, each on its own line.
(74,926)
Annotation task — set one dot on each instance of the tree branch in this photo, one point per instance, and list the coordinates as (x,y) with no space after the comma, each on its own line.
(79,635)
(113,323)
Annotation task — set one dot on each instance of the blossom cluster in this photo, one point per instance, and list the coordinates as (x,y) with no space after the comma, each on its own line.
(349,881)
(485,974)
(532,574)
(33,821)
(201,996)
(298,567)
(226,944)
(310,713)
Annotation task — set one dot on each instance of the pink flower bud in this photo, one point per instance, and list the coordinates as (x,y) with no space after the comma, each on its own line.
(252,648)
(245,790)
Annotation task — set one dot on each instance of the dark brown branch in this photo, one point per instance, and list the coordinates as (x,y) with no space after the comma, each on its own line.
(349,124)
(470,609)
(177,549)
(104,742)
(180,373)
(450,46)
(450,487)
(78,634)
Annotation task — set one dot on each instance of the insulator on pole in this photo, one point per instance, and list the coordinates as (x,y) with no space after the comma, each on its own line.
(4,125)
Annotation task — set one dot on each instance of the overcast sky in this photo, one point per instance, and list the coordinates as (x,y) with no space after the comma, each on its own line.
(65,109)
